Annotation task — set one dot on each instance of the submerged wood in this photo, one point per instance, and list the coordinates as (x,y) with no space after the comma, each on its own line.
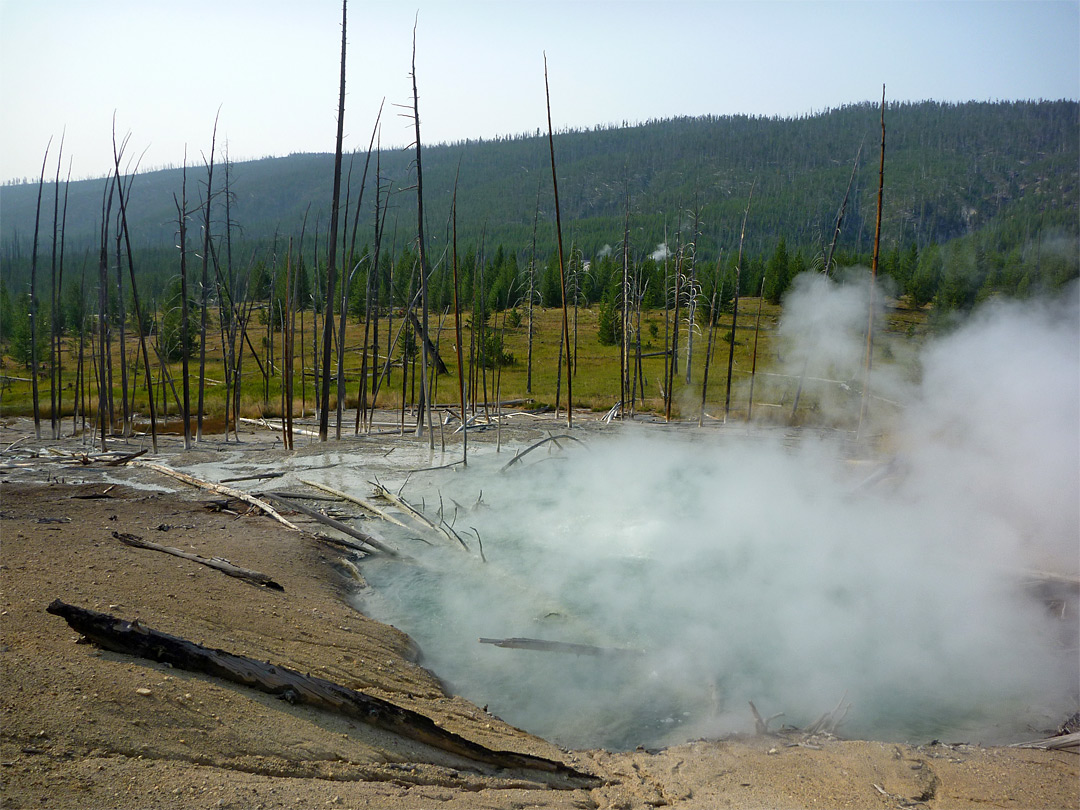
(217,563)
(134,638)
(344,528)
(220,489)
(542,645)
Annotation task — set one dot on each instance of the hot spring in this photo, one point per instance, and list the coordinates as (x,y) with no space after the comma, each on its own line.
(710,570)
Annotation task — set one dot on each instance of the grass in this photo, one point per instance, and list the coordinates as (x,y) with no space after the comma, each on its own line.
(596,380)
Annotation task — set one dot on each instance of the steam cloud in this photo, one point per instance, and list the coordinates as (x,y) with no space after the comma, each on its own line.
(751,567)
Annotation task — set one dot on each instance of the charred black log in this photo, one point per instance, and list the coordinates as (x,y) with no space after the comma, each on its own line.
(134,638)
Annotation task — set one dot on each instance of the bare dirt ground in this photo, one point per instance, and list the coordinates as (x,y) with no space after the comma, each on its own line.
(87,728)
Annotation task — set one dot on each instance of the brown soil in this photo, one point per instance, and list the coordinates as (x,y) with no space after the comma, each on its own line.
(86,728)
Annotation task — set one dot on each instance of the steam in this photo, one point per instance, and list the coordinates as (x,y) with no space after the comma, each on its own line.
(661,253)
(728,566)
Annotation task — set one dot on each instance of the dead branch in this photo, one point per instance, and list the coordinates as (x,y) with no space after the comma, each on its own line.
(529,449)
(217,563)
(410,510)
(220,489)
(761,725)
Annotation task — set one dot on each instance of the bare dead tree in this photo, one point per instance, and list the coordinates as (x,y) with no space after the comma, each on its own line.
(121,316)
(55,283)
(624,354)
(371,297)
(33,303)
(331,270)
(873,277)
(677,294)
(532,292)
(692,293)
(753,362)
(735,306)
(425,399)
(562,263)
(185,343)
(287,350)
(204,290)
(347,278)
(457,329)
(717,296)
(827,261)
(117,152)
(104,410)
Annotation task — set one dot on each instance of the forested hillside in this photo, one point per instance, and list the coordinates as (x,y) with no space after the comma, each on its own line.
(979,197)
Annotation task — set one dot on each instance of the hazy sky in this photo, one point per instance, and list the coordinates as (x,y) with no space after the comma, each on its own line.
(272,67)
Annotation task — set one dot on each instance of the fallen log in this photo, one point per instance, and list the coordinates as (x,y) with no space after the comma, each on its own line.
(224,566)
(358,501)
(258,477)
(271,426)
(134,638)
(220,489)
(344,528)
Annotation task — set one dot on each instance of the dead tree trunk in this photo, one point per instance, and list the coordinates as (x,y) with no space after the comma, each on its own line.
(205,284)
(135,294)
(136,639)
(331,270)
(735,306)
(33,308)
(562,263)
(55,283)
(873,278)
(185,344)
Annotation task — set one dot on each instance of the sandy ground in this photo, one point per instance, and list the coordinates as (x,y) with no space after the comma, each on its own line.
(87,728)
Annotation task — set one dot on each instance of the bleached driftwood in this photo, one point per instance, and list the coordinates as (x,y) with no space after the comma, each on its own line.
(410,510)
(134,638)
(220,489)
(224,566)
(358,501)
(271,426)
(1061,742)
(761,724)
(344,528)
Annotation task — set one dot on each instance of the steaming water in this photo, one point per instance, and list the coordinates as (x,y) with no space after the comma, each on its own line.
(719,571)
(720,568)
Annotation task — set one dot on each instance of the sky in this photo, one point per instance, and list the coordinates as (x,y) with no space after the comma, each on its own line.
(269,69)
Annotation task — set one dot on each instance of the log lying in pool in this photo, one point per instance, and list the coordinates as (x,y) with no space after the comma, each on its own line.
(542,645)
(134,638)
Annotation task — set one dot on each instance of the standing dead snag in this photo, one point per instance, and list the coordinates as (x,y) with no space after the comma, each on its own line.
(425,398)
(735,305)
(34,303)
(873,276)
(135,290)
(331,269)
(562,263)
